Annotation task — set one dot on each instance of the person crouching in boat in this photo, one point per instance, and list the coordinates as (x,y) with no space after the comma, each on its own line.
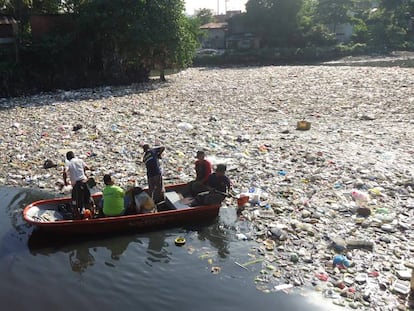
(81,195)
(113,198)
(218,185)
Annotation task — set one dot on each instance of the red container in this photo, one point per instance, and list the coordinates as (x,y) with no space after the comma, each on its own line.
(242,200)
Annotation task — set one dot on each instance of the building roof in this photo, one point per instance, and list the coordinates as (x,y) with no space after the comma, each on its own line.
(7,20)
(214,26)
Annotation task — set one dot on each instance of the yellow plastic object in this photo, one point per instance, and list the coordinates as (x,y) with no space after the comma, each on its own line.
(303,125)
(179,241)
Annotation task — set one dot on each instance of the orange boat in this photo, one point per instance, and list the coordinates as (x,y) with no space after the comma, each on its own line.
(175,211)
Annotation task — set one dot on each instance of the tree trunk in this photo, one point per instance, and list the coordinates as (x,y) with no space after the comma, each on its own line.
(162,75)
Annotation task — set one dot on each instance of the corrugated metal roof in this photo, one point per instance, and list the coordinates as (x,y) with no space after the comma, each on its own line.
(213,26)
(7,20)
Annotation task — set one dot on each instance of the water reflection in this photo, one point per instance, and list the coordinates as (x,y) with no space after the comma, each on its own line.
(157,248)
(80,259)
(79,248)
(82,250)
(220,233)
(217,237)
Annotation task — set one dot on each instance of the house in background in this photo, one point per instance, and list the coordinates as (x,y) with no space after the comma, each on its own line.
(242,41)
(8,29)
(216,35)
(239,36)
(44,24)
(227,33)
(343,32)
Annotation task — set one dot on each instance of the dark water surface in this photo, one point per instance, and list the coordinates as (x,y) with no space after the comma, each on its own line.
(142,271)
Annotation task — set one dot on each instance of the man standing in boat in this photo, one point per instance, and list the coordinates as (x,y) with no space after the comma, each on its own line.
(81,195)
(151,159)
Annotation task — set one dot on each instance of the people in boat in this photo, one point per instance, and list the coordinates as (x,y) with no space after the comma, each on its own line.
(155,183)
(81,195)
(113,198)
(203,169)
(218,185)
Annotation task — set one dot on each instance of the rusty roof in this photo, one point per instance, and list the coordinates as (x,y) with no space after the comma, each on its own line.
(7,20)
(214,26)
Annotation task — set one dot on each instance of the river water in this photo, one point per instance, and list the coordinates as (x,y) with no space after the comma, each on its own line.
(142,271)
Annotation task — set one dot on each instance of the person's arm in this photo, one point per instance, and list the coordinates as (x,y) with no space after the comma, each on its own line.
(209,183)
(160,150)
(65,176)
(208,170)
(85,167)
(122,192)
(228,185)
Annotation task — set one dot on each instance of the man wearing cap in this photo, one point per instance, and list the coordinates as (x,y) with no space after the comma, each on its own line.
(151,159)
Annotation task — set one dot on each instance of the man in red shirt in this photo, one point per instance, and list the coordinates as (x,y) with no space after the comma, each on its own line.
(203,169)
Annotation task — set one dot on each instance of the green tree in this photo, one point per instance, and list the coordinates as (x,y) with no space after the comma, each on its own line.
(313,32)
(46,6)
(395,17)
(334,12)
(168,40)
(275,21)
(205,16)
(19,9)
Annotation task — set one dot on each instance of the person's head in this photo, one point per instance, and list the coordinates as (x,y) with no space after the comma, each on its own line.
(145,147)
(200,155)
(108,180)
(221,169)
(70,155)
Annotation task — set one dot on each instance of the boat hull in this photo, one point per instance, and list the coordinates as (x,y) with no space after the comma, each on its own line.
(136,222)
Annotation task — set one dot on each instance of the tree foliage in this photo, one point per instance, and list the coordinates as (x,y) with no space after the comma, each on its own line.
(275,21)
(205,16)
(334,12)
(123,40)
(109,42)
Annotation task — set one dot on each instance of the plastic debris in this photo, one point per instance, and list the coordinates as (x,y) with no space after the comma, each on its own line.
(345,186)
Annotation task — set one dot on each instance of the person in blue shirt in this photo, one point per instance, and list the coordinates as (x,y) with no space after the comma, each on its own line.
(151,159)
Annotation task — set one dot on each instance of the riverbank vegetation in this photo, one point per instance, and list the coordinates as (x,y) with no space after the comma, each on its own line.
(85,43)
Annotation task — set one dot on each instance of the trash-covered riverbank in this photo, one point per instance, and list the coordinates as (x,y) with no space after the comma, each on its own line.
(343,187)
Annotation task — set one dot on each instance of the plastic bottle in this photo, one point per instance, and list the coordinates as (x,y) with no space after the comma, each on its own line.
(360,196)
(340,261)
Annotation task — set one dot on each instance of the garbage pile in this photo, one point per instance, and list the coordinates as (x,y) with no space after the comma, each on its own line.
(324,155)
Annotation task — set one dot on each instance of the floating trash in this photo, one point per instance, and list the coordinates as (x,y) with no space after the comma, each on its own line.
(179,241)
(300,185)
(303,125)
